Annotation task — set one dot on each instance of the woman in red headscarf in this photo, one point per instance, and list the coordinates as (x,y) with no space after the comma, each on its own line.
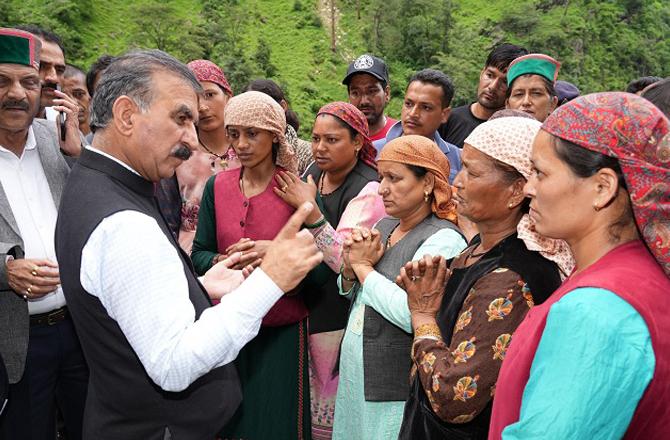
(342,182)
(212,154)
(593,361)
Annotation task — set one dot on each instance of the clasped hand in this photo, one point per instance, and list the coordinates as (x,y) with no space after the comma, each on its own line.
(288,258)
(424,281)
(251,252)
(362,249)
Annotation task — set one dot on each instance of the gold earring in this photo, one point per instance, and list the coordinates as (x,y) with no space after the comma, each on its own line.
(596,207)
(426,196)
(510,205)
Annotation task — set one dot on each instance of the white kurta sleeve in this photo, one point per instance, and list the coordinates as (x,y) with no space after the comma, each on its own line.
(136,273)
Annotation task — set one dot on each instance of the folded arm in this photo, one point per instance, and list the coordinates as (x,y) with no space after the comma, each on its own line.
(387,298)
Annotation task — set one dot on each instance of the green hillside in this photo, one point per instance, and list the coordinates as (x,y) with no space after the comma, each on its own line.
(602,44)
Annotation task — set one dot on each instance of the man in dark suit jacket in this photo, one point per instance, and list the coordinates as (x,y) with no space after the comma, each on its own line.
(37,340)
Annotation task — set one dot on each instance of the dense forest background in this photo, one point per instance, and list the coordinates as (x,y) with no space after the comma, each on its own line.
(305,45)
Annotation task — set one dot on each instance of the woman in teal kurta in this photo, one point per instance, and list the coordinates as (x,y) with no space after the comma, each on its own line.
(628,353)
(414,185)
(378,420)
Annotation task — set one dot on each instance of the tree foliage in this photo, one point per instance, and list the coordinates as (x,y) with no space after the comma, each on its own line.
(262,58)
(157,26)
(59,16)
(602,45)
(409,31)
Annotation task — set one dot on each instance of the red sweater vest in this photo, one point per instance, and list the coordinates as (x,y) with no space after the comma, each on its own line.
(630,272)
(260,217)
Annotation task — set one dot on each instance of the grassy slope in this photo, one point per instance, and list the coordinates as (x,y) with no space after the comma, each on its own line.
(109,31)
(306,66)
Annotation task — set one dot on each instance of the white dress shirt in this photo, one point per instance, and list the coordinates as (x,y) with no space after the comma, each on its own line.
(134,270)
(34,210)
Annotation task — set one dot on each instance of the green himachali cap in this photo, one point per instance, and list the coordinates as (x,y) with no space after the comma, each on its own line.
(534,63)
(19,47)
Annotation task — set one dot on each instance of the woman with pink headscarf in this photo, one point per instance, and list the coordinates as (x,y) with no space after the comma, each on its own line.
(213,153)
(342,183)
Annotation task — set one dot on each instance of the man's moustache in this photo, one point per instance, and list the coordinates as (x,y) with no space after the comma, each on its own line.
(11,103)
(49,85)
(181,152)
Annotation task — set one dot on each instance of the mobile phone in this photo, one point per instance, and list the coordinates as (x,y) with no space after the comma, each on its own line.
(60,120)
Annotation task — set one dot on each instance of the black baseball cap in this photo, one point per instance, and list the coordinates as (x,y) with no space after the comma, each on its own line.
(368,64)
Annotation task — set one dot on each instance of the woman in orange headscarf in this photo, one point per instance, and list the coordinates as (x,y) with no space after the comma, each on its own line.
(374,362)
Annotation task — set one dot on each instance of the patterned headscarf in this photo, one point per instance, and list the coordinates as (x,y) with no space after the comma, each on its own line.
(355,119)
(510,112)
(510,140)
(423,152)
(206,70)
(256,109)
(636,133)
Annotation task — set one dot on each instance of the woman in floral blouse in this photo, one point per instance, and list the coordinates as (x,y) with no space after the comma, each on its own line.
(461,332)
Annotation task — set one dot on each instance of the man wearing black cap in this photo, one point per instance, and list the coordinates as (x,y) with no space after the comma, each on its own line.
(367,82)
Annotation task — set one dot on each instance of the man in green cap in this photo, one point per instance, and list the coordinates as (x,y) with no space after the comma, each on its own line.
(531,85)
(38,342)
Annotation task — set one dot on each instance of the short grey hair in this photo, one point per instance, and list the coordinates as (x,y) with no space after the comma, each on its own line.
(131,75)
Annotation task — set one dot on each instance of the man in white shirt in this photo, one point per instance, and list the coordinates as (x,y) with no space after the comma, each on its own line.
(160,355)
(37,338)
